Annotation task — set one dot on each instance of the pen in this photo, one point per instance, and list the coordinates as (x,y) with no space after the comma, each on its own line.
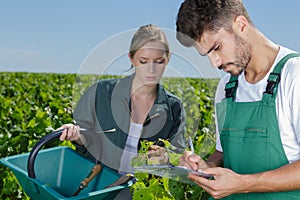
(106,131)
(191,145)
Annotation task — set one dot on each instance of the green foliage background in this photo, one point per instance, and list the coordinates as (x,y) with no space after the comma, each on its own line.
(33,105)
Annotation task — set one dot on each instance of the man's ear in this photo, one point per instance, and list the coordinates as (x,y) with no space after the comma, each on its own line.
(240,24)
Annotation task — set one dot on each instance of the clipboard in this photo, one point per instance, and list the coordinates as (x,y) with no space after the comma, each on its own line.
(178,173)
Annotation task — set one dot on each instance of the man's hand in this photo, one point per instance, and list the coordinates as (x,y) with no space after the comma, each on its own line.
(225,183)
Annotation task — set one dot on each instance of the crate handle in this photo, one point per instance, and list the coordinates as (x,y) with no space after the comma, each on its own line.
(36,149)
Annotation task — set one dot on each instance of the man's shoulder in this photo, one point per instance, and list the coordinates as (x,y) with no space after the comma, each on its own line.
(292,65)
(284,51)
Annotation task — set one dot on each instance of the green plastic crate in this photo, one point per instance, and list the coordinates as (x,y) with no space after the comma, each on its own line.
(59,171)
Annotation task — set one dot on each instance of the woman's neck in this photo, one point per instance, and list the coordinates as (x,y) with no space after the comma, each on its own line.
(142,100)
(143,90)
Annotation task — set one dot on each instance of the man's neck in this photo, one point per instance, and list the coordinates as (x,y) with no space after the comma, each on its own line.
(264,53)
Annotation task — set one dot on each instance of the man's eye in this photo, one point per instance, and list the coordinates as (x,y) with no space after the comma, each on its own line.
(143,62)
(217,48)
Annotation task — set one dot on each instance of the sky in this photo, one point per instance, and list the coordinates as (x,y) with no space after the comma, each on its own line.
(77,36)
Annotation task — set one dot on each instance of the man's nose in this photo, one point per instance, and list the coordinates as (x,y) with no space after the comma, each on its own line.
(215,60)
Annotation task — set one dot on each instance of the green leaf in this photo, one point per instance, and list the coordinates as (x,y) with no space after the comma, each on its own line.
(31,123)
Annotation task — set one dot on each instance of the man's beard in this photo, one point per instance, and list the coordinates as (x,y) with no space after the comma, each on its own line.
(242,58)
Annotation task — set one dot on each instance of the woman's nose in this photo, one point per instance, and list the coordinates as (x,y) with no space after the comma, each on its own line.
(151,67)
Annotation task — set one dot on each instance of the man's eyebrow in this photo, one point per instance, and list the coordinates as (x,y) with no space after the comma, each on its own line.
(212,48)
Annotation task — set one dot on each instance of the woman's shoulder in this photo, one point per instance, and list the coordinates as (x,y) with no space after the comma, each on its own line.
(111,81)
(172,98)
(116,80)
(108,84)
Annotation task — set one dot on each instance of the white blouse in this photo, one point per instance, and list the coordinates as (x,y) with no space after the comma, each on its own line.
(130,149)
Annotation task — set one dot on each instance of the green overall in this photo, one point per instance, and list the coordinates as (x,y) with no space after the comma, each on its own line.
(250,136)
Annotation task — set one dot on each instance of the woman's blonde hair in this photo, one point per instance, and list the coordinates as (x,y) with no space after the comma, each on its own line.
(145,34)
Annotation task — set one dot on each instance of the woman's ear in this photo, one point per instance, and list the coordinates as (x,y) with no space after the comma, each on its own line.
(131,59)
(169,57)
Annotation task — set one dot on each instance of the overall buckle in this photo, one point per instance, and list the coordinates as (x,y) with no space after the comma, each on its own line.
(231,88)
(273,80)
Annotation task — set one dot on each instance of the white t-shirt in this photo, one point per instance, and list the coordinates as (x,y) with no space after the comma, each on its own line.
(287,101)
(130,149)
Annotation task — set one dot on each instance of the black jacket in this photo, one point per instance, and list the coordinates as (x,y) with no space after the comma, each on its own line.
(105,112)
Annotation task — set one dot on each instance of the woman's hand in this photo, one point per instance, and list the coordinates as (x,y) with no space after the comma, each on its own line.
(71,132)
(157,155)
(192,161)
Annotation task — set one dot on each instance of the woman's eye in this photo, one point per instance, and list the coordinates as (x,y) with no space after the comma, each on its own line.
(143,62)
(160,61)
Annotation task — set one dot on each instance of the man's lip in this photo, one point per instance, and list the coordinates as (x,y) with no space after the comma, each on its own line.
(225,69)
(222,67)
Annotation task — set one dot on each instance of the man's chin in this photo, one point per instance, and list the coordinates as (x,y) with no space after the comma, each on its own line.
(235,73)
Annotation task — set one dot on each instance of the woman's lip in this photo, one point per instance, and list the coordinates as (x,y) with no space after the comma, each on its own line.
(151,77)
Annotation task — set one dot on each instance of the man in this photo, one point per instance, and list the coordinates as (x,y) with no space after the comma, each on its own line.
(257,104)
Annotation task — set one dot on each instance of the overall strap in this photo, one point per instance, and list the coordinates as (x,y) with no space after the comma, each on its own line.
(230,88)
(274,77)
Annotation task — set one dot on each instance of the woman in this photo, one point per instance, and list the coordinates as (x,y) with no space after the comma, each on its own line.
(117,114)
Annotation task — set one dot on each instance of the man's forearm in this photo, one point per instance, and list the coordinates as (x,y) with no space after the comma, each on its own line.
(285,178)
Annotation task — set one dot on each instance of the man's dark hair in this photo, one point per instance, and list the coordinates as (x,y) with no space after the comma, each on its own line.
(196,16)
